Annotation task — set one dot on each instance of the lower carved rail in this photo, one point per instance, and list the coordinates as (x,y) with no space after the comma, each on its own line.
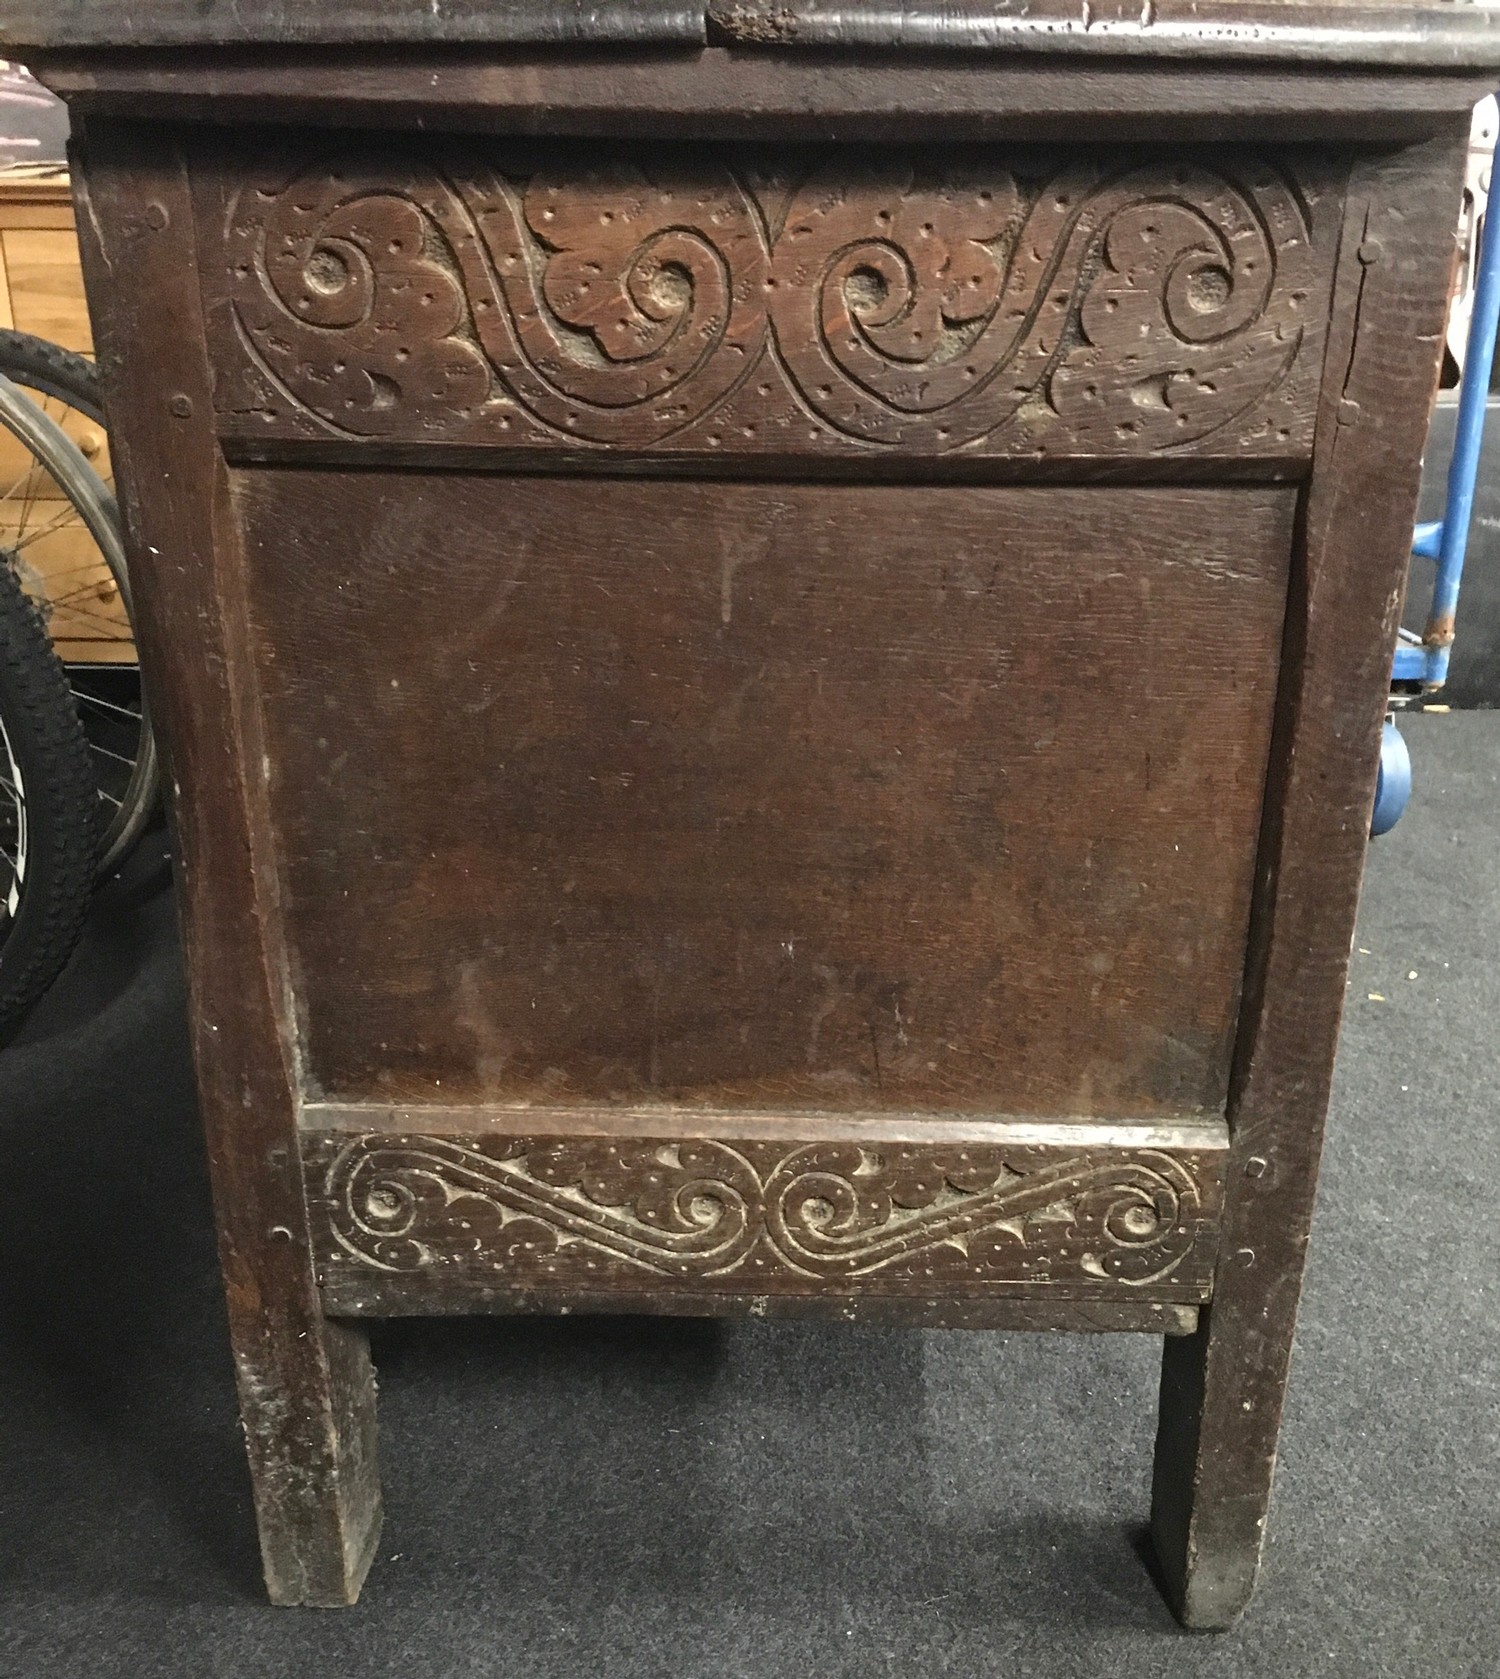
(862,1223)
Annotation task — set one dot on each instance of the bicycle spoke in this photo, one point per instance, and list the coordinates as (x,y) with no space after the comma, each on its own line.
(85,698)
(82,593)
(32,468)
(85,603)
(96,569)
(27,505)
(101,614)
(68,516)
(96,575)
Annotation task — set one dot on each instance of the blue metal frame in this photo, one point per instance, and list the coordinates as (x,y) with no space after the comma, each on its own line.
(1424,658)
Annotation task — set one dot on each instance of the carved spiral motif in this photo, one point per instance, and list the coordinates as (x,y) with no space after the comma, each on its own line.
(1117,302)
(702,1209)
(1136,1219)
(610,303)
(403,1205)
(660,275)
(924,306)
(341,298)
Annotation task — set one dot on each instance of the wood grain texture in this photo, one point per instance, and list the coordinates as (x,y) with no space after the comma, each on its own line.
(119,24)
(717,94)
(36,201)
(1354,32)
(655,886)
(306,1392)
(739,1219)
(1306,31)
(46,284)
(960,306)
(1222,1391)
(354,1293)
(836,797)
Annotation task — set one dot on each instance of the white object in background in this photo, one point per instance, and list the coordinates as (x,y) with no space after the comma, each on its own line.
(1477,174)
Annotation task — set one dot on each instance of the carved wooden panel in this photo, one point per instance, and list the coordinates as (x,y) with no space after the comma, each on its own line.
(755,1217)
(960,304)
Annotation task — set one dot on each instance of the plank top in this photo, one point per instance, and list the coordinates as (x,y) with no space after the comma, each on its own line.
(212,23)
(1455,34)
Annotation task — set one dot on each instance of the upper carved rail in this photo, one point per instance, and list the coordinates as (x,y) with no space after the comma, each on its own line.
(962,304)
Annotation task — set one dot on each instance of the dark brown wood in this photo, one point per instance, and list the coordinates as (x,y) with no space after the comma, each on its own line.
(729,794)
(1222,1390)
(743,1220)
(1351,32)
(356,1295)
(723,94)
(695,795)
(1296,30)
(217,23)
(529,299)
(306,1391)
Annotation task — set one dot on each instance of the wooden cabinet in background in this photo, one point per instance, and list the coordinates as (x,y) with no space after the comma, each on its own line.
(41,279)
(41,292)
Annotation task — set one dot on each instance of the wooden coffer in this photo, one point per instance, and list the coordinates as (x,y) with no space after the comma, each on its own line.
(792,857)
(768,716)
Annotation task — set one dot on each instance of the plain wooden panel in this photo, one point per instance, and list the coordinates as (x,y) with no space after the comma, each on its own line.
(826,797)
(46,285)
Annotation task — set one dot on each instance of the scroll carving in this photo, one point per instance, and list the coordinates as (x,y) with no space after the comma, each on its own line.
(934,305)
(756,1217)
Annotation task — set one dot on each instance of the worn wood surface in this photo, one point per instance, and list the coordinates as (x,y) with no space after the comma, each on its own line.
(174,23)
(679,878)
(1316,31)
(766,795)
(954,306)
(306,1391)
(1222,1391)
(1345,32)
(741,1219)
(356,1294)
(716,93)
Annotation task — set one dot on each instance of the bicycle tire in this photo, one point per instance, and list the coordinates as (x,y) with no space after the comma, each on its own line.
(37,364)
(96,506)
(44,758)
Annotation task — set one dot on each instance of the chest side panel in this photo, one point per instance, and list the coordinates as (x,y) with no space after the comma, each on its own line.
(811,796)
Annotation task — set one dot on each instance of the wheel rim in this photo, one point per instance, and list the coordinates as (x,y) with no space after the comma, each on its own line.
(83,594)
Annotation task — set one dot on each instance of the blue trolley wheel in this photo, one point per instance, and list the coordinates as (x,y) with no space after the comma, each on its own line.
(1393,788)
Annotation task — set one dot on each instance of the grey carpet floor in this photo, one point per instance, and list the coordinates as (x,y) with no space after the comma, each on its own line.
(612,1499)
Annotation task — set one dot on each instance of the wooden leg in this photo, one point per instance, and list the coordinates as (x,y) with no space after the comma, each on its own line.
(307,1396)
(1221,1394)
(307,1402)
(1222,1389)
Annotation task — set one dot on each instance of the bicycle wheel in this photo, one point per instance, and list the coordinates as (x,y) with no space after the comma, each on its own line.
(59,528)
(62,377)
(49,810)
